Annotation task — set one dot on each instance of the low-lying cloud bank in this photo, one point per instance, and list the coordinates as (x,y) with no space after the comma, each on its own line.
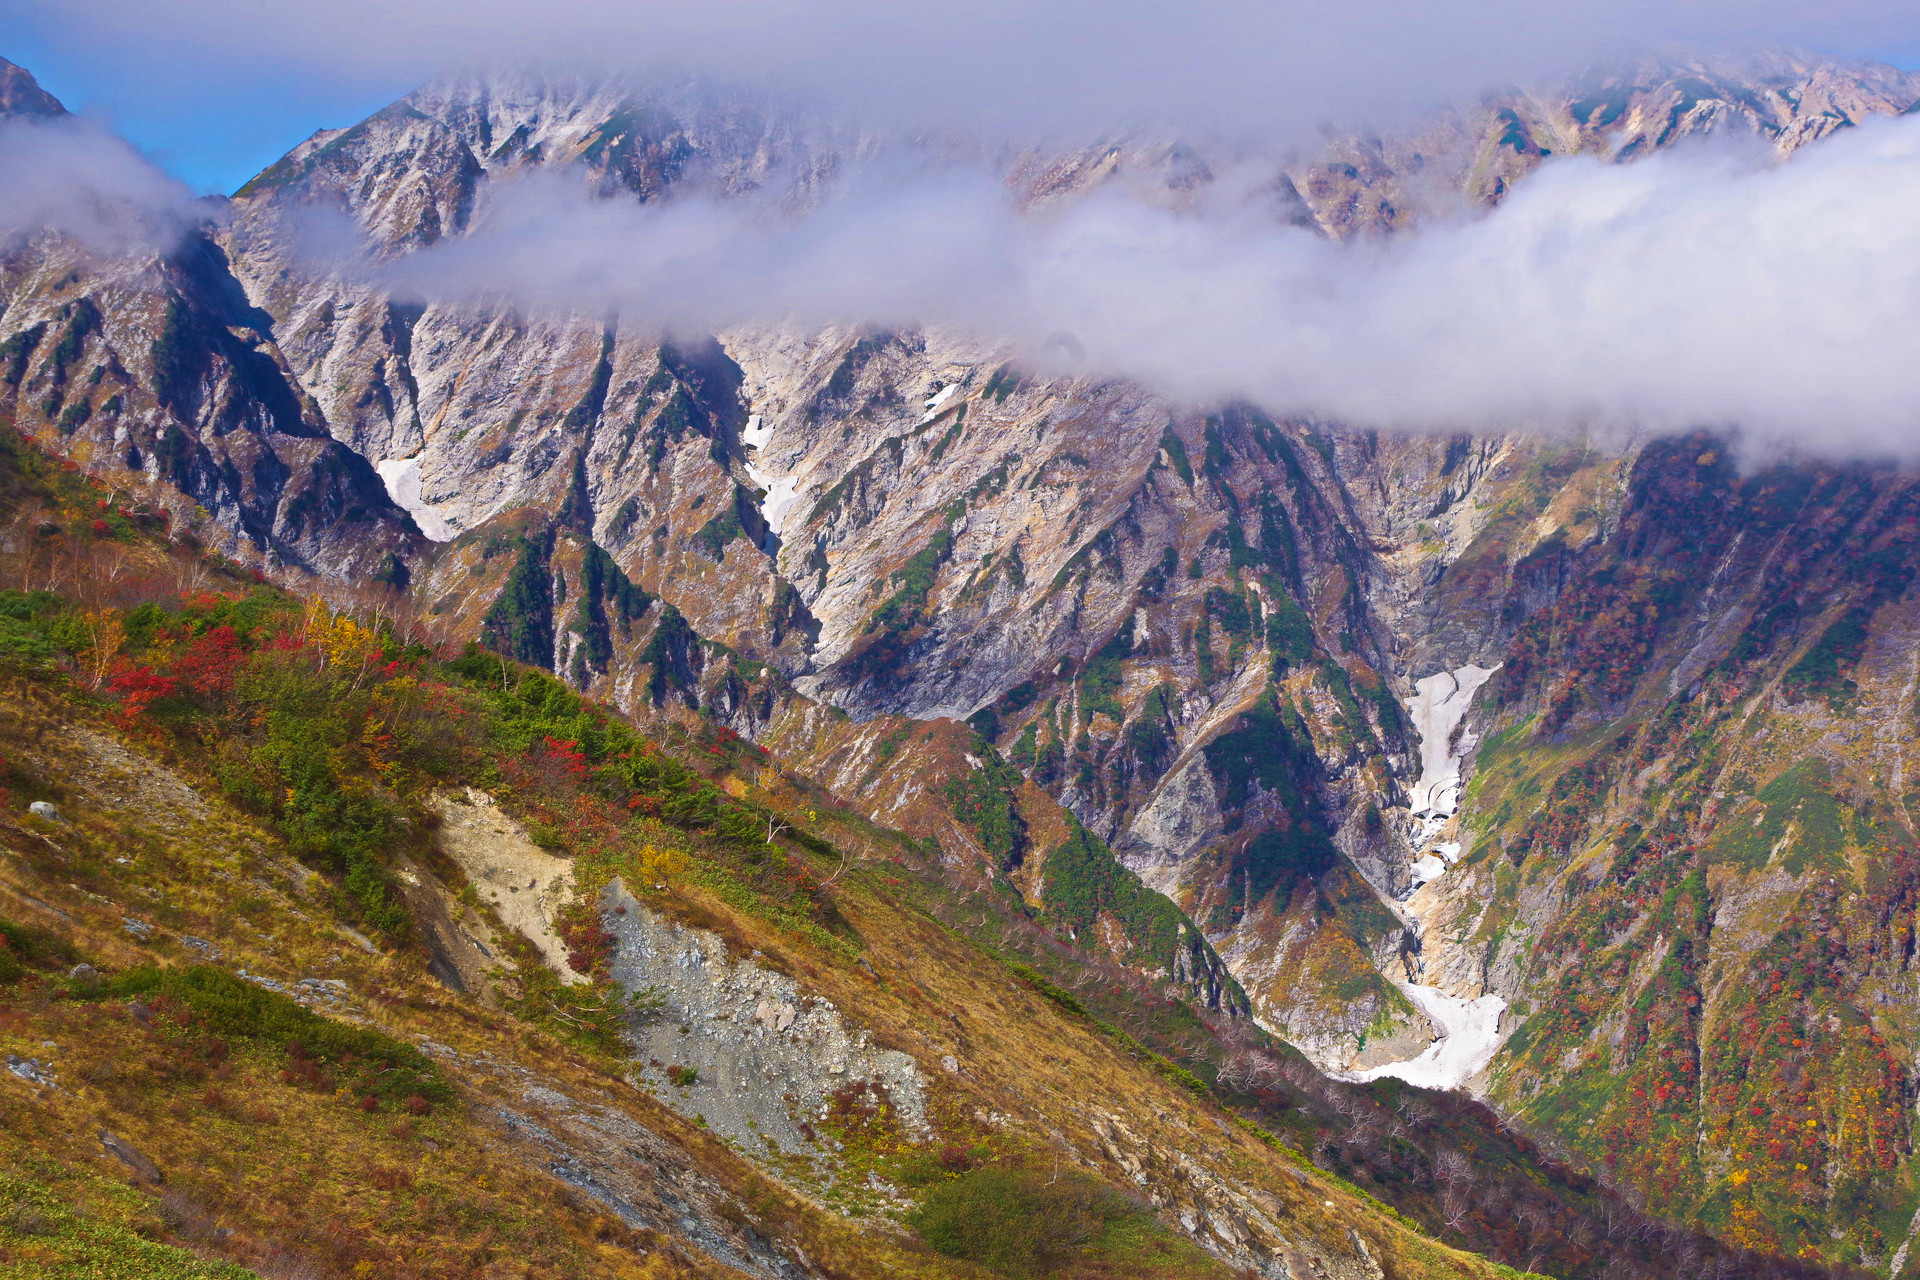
(76,175)
(1708,286)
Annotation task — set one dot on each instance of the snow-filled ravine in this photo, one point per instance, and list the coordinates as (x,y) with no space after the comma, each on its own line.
(402,478)
(780,493)
(1470,1035)
(1469,1028)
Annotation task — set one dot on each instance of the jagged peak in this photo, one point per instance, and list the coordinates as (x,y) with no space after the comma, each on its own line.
(506,113)
(21,94)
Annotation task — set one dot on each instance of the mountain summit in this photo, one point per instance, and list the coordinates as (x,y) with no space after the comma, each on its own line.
(21,94)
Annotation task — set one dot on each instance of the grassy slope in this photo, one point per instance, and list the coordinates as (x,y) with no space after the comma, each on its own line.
(266,1165)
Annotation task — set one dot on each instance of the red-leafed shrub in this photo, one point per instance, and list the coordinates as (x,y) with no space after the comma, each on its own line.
(139,687)
(209,664)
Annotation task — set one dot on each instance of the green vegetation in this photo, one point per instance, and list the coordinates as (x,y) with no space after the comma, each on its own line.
(1100,679)
(1083,883)
(1176,451)
(731,522)
(83,319)
(1796,811)
(24,948)
(607,599)
(1002,384)
(169,354)
(201,1008)
(1289,629)
(1231,610)
(1024,1224)
(520,621)
(1265,747)
(17,350)
(47,1234)
(1821,671)
(672,656)
(983,798)
(1153,732)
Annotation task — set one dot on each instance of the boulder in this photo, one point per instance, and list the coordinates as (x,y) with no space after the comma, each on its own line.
(131,1156)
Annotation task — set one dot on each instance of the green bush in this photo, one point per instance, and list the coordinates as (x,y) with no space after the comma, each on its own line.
(223,1005)
(23,948)
(99,1236)
(302,771)
(1018,1222)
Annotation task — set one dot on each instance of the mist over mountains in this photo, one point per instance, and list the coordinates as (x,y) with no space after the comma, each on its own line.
(1393,647)
(1738,282)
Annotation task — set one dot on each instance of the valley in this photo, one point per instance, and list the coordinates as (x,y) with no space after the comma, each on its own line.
(1362,853)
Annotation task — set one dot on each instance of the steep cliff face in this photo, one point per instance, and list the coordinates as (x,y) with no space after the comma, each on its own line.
(151,370)
(1195,631)
(137,355)
(1785,101)
(1688,851)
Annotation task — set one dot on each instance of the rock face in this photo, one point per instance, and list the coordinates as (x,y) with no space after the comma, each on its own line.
(524,885)
(21,94)
(148,366)
(744,1047)
(152,371)
(1195,631)
(1687,850)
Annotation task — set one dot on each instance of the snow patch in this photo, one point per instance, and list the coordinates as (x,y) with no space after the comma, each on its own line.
(781,497)
(939,398)
(780,492)
(1469,1030)
(1439,705)
(757,435)
(402,478)
(1469,1037)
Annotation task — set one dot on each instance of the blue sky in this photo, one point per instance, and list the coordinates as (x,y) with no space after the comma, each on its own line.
(216,90)
(210,136)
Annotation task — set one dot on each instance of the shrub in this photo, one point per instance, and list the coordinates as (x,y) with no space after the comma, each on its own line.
(216,1003)
(23,948)
(1016,1221)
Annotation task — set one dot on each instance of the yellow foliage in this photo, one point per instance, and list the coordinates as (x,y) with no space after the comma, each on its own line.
(341,640)
(659,866)
(106,636)
(378,743)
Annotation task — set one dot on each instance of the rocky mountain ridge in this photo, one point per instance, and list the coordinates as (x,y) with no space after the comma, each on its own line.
(638,1008)
(1188,638)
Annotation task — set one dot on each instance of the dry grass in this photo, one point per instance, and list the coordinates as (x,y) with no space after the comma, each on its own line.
(263,1170)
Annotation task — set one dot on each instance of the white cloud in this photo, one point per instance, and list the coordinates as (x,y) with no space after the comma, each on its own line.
(1264,67)
(71,173)
(1711,286)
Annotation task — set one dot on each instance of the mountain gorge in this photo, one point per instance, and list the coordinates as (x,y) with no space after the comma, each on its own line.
(1569,771)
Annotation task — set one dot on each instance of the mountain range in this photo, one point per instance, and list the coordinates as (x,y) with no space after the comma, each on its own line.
(1567,773)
